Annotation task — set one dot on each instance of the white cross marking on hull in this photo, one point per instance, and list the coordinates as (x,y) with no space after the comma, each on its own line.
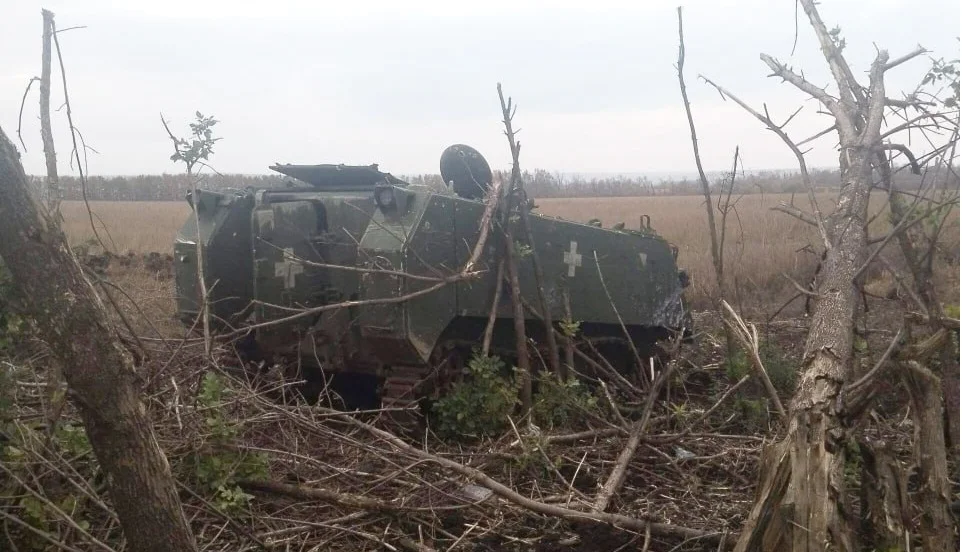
(288,268)
(572,259)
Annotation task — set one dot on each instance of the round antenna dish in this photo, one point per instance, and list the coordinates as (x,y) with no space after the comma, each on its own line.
(466,170)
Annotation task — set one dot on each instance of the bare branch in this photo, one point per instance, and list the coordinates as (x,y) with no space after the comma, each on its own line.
(908,153)
(74,28)
(724,210)
(907,57)
(716,252)
(782,71)
(870,375)
(22,102)
(902,285)
(52,188)
(818,135)
(73,137)
(479,477)
(907,103)
(836,62)
(803,166)
(797,213)
(617,476)
(511,265)
(876,109)
(790,117)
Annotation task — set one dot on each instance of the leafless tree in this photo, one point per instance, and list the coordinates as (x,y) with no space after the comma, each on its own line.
(801,500)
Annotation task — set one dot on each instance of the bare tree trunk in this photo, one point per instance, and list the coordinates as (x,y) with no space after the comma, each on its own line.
(810,505)
(884,500)
(717,245)
(815,435)
(716,254)
(937,528)
(511,265)
(46,133)
(808,514)
(100,375)
(520,336)
(56,398)
(927,392)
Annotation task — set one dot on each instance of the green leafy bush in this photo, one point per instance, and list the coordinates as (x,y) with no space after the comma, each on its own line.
(561,403)
(220,464)
(481,402)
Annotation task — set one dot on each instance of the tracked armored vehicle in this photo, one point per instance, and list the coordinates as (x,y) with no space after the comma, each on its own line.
(318,272)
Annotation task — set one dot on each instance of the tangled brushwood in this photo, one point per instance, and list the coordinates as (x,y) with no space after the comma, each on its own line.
(257,468)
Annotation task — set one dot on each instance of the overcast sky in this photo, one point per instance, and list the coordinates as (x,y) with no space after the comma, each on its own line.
(396,82)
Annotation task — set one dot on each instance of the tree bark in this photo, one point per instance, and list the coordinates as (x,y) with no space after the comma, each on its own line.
(936,527)
(67,314)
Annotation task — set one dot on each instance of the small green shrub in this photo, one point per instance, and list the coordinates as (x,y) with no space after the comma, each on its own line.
(750,403)
(220,464)
(561,403)
(569,327)
(72,439)
(780,368)
(952,311)
(481,402)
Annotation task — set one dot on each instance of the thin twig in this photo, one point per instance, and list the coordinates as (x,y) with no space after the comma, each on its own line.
(20,117)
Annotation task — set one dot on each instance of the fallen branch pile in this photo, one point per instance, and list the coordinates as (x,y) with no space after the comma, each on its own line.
(341,481)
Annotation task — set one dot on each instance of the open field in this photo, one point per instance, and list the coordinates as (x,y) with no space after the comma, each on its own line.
(762,245)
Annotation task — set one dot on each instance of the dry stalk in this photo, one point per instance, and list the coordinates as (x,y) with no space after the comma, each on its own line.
(747,335)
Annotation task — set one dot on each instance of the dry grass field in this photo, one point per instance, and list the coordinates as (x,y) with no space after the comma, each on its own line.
(762,247)
(131,226)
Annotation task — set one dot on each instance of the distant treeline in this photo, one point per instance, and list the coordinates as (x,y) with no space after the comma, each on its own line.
(539,183)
